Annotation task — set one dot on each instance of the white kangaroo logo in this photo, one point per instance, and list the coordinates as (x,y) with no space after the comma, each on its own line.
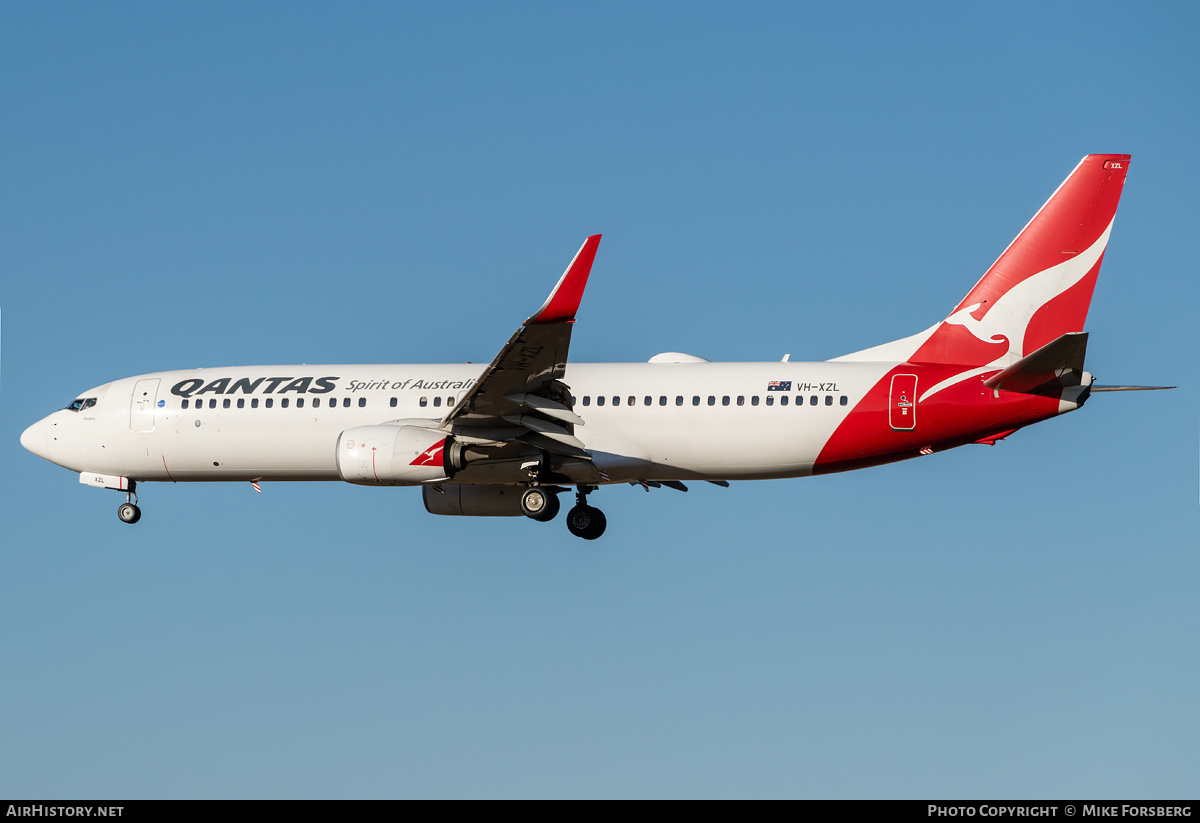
(1007,319)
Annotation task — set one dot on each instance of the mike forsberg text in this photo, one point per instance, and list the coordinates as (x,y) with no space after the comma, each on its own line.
(1030,810)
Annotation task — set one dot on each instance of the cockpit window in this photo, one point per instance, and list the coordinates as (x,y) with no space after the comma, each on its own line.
(81,403)
(76,405)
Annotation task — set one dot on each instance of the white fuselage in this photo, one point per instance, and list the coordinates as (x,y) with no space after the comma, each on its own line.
(645,421)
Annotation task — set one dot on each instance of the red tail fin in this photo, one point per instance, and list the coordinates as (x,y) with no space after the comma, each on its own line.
(1041,286)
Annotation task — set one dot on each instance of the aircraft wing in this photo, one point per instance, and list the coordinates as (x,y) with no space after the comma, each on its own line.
(520,396)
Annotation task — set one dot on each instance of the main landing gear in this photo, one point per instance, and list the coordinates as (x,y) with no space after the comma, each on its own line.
(541,503)
(129,511)
(584,520)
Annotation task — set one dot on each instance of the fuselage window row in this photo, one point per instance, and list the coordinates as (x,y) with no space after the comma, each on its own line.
(814,400)
(769,400)
(269,402)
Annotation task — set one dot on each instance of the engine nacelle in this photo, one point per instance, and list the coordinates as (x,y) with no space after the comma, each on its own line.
(473,501)
(394,456)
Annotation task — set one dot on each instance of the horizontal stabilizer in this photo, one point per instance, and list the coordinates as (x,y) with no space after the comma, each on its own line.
(1048,370)
(1130,388)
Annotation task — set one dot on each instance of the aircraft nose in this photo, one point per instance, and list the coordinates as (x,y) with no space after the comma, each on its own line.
(34,438)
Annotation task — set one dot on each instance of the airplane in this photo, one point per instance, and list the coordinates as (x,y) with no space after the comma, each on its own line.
(507,440)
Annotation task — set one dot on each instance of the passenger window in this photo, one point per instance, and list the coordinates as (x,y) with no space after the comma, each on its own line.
(424,401)
(299,402)
(812,401)
(587,400)
(184,404)
(725,400)
(650,400)
(449,401)
(829,400)
(346,402)
(632,400)
(845,400)
(362,402)
(225,403)
(283,403)
(741,399)
(783,400)
(770,400)
(712,401)
(695,400)
(662,400)
(270,402)
(437,401)
(754,400)
(254,403)
(599,400)
(212,402)
(393,403)
(616,401)
(679,400)
(241,402)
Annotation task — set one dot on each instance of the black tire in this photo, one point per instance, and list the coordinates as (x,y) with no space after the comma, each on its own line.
(551,510)
(534,502)
(129,513)
(586,522)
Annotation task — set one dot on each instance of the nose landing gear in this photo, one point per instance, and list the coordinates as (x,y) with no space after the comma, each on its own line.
(129,511)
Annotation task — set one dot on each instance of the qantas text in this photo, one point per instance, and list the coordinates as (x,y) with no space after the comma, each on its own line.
(307,385)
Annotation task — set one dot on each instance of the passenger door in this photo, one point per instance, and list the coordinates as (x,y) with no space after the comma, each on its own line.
(142,405)
(902,402)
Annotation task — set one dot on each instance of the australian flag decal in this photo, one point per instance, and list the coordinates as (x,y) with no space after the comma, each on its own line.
(779,385)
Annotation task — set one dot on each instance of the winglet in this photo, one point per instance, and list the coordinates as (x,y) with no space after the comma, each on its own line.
(563,302)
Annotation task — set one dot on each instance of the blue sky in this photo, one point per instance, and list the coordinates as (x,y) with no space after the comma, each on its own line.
(218,184)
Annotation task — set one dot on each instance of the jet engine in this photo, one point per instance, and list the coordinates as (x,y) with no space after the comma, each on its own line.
(397,456)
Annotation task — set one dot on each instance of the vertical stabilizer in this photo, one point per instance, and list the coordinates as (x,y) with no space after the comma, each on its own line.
(1040,287)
